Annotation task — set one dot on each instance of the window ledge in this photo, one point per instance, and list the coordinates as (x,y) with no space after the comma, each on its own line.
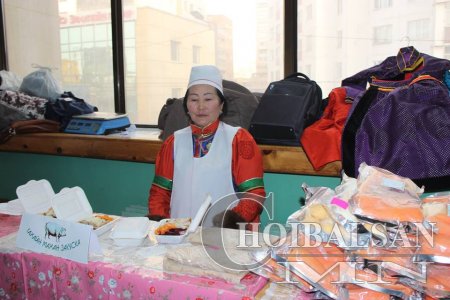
(143,146)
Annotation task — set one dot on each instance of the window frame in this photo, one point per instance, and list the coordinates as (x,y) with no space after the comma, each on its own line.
(290,47)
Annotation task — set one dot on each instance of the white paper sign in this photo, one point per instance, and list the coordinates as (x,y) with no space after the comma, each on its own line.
(56,237)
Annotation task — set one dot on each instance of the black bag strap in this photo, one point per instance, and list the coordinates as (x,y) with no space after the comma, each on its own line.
(298,74)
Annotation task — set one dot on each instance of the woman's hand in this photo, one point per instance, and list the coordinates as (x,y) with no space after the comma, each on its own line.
(155,217)
(228,219)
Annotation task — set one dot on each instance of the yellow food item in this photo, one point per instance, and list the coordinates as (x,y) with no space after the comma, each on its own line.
(105,217)
(318,212)
(165,228)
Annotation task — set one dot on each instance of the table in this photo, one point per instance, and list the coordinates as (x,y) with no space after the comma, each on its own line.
(122,273)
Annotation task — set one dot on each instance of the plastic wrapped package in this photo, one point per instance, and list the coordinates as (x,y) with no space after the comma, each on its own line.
(358,293)
(437,251)
(392,261)
(386,197)
(176,267)
(436,285)
(200,257)
(310,263)
(278,273)
(374,180)
(347,188)
(436,204)
(436,246)
(379,282)
(337,224)
(379,292)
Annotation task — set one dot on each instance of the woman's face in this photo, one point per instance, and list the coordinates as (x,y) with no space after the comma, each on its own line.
(203,104)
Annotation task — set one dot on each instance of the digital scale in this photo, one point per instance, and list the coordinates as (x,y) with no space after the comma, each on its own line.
(97,123)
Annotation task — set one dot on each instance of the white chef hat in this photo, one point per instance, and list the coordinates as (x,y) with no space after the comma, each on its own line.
(206,74)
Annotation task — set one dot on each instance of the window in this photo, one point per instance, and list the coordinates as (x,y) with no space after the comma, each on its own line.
(338,70)
(447,52)
(419,29)
(162,39)
(379,4)
(382,35)
(309,12)
(447,35)
(175,51)
(339,39)
(195,54)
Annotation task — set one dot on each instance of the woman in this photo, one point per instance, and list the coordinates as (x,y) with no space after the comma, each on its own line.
(207,157)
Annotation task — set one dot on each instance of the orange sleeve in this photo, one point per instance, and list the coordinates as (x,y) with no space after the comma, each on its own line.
(161,189)
(248,172)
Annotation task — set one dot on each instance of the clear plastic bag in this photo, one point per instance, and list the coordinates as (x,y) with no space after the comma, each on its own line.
(9,81)
(385,197)
(41,83)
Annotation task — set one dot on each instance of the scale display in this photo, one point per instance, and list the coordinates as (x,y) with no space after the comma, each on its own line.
(98,123)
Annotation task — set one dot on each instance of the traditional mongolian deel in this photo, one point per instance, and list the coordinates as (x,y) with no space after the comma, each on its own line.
(402,122)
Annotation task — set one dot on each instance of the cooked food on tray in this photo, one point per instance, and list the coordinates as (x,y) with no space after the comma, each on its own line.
(173,226)
(97,221)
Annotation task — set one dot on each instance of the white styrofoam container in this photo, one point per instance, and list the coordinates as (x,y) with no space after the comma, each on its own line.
(35,196)
(177,239)
(130,231)
(105,228)
(71,204)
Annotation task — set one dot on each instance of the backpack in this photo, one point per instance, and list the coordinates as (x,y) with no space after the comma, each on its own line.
(241,104)
(286,108)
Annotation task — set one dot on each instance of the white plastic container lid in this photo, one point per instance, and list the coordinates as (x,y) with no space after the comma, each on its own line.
(131,228)
(35,196)
(71,204)
(200,213)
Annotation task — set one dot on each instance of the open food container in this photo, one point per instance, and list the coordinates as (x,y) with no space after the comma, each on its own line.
(130,231)
(177,239)
(71,204)
(35,196)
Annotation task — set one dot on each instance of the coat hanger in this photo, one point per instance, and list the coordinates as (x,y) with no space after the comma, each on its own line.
(407,39)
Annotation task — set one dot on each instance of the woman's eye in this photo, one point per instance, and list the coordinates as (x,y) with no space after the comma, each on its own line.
(193,100)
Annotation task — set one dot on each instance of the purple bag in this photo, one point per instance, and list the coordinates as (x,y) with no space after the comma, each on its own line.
(406,131)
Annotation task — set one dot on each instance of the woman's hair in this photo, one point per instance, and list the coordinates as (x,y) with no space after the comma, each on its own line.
(221,97)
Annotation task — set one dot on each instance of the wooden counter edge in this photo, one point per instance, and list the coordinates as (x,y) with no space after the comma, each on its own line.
(276,159)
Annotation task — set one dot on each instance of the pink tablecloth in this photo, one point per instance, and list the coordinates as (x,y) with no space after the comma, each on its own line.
(8,224)
(28,275)
(38,276)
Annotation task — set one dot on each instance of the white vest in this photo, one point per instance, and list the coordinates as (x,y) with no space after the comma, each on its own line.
(194,177)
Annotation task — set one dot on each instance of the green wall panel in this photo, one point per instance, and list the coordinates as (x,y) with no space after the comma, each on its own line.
(112,186)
